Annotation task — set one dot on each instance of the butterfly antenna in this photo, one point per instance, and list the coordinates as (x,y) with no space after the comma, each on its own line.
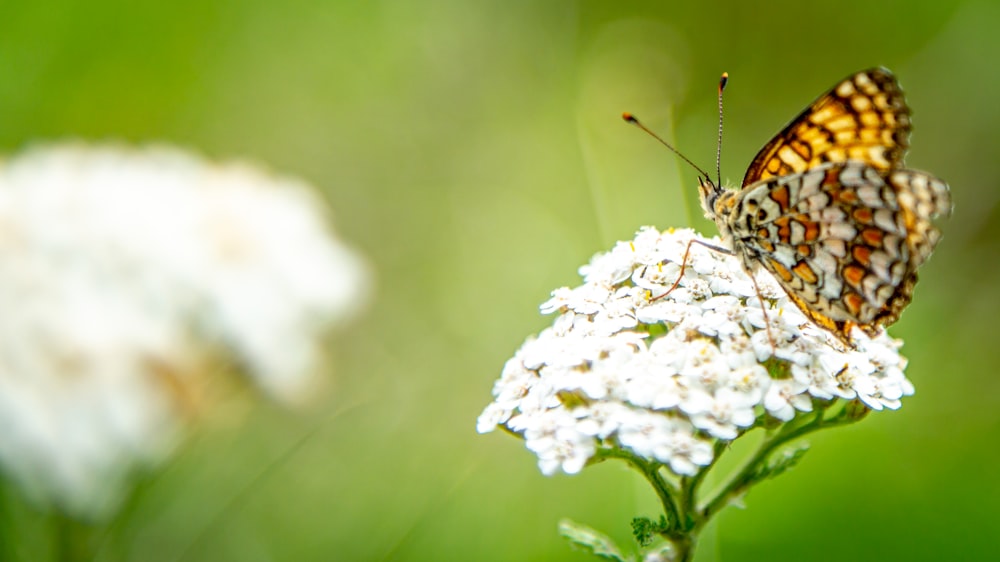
(635,121)
(718,145)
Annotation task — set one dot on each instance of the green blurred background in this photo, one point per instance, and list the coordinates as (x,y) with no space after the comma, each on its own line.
(474,151)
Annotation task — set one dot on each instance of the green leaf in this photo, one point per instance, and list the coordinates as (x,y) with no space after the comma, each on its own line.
(645,529)
(592,541)
(642,531)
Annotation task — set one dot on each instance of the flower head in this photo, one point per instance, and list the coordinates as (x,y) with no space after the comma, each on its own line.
(666,374)
(125,275)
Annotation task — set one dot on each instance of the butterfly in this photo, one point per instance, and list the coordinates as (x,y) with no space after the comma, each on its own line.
(829,209)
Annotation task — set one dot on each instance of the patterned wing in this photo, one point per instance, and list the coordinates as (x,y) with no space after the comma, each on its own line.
(843,239)
(922,198)
(862,118)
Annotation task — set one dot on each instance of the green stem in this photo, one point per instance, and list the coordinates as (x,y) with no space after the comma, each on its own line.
(739,483)
(680,502)
(651,470)
(683,546)
(697,479)
(684,540)
(679,511)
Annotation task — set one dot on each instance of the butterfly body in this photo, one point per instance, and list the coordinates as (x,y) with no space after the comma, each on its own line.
(828,208)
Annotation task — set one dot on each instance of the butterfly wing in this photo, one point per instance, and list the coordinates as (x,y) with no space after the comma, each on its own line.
(843,239)
(922,198)
(863,118)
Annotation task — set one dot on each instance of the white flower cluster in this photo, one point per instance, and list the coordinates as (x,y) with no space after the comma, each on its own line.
(126,275)
(665,376)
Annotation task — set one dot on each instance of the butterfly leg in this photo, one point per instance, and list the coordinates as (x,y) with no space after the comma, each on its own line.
(684,262)
(721,250)
(763,308)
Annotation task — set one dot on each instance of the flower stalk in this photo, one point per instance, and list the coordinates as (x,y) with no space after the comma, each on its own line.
(684,515)
(664,369)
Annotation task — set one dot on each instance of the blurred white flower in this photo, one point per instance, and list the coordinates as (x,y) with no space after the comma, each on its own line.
(125,275)
(667,376)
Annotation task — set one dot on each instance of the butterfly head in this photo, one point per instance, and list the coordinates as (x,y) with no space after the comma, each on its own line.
(710,196)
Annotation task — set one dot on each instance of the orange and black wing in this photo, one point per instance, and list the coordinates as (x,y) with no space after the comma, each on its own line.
(863,118)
